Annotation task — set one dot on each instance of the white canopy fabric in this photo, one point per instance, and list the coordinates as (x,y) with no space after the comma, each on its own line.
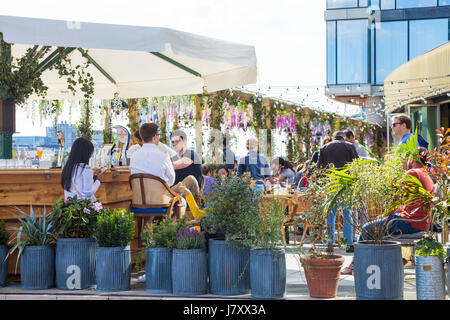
(135,61)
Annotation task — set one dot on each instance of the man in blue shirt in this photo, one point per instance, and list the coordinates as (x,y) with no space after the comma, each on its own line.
(229,159)
(256,164)
(401,126)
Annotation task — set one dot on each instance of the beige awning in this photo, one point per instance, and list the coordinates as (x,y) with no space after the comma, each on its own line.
(424,77)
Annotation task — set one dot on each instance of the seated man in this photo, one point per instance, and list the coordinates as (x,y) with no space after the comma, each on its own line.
(187,165)
(256,164)
(161,146)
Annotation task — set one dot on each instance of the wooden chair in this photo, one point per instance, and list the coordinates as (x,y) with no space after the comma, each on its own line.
(151,198)
(297,206)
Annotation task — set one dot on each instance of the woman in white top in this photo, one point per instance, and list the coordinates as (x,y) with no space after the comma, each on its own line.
(77,177)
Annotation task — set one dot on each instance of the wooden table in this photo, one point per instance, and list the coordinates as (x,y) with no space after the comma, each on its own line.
(294,205)
(41,188)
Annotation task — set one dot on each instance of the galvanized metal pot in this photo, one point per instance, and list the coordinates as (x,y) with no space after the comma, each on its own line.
(267,274)
(228,268)
(3,265)
(113,268)
(37,267)
(189,272)
(75,263)
(378,270)
(158,270)
(430,279)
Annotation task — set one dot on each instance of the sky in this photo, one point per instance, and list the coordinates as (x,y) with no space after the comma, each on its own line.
(288,35)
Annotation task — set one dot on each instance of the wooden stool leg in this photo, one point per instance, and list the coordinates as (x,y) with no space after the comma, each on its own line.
(283,236)
(295,233)
(305,229)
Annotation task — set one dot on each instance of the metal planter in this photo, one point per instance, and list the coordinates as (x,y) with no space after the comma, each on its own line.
(3,265)
(430,278)
(267,274)
(378,271)
(75,263)
(37,267)
(189,272)
(158,270)
(113,268)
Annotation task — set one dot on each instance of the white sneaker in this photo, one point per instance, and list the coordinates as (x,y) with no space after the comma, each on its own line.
(141,278)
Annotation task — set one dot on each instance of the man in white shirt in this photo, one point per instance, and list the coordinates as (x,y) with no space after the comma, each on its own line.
(161,146)
(149,159)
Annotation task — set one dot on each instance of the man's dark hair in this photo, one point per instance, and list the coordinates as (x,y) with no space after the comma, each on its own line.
(147,131)
(137,135)
(206,169)
(348,133)
(338,135)
(179,133)
(403,118)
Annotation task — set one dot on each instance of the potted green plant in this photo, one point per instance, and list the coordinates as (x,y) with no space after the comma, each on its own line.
(189,264)
(227,208)
(375,189)
(4,239)
(75,221)
(267,258)
(321,266)
(430,278)
(34,244)
(114,232)
(159,241)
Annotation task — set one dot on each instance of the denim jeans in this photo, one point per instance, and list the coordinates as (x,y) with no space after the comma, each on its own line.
(394,229)
(258,189)
(348,228)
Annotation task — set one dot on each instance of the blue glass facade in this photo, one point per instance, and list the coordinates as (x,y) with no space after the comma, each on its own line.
(352,51)
(385,4)
(391,47)
(356,50)
(426,34)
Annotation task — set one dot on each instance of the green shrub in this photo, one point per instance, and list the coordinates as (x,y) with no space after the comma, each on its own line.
(189,238)
(114,229)
(227,208)
(162,234)
(4,235)
(428,246)
(75,218)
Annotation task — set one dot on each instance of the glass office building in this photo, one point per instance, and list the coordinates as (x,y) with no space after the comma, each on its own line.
(368,39)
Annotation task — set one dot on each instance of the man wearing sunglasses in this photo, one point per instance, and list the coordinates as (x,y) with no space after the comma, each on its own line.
(401,127)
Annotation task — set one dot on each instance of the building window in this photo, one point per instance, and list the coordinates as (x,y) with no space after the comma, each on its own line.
(444,2)
(340,4)
(352,51)
(363,3)
(375,4)
(403,4)
(391,47)
(331,52)
(426,34)
(387,4)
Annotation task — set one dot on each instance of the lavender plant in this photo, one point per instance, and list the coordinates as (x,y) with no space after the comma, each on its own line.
(189,238)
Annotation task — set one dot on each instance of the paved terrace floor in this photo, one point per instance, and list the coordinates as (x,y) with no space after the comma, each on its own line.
(296,287)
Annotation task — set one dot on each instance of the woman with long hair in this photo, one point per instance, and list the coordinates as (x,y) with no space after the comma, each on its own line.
(77,178)
(283,169)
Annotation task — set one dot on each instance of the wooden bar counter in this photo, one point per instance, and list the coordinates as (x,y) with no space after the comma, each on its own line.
(41,187)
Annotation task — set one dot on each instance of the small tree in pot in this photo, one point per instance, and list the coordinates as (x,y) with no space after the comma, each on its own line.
(160,240)
(4,239)
(322,267)
(227,208)
(267,259)
(114,232)
(34,245)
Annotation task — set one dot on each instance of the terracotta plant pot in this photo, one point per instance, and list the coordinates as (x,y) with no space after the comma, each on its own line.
(322,274)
